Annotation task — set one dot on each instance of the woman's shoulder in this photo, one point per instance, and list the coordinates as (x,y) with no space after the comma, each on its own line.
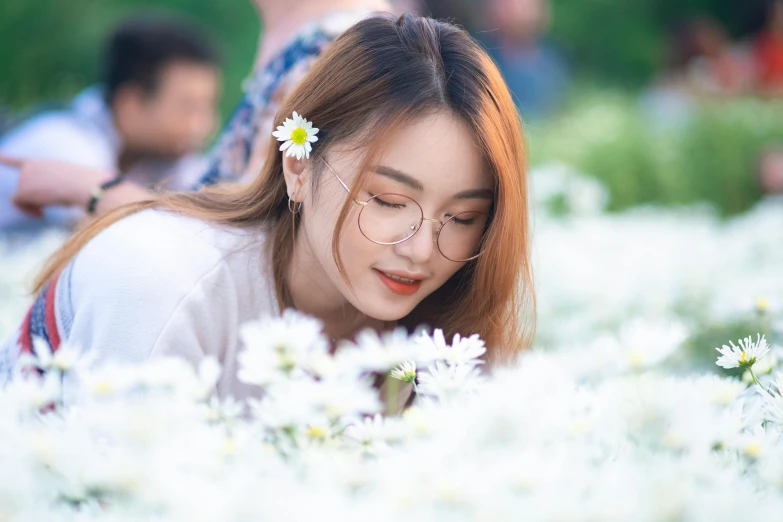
(130,290)
(156,248)
(154,283)
(164,235)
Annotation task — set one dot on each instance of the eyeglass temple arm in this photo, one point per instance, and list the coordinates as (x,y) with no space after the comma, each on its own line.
(341,181)
(336,176)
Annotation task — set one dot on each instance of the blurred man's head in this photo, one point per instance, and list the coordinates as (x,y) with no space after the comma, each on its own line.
(162,84)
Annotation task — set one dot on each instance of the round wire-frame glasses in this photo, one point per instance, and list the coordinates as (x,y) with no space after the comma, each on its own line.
(414,227)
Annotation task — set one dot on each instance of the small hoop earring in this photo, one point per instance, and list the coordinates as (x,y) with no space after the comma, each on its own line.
(294,206)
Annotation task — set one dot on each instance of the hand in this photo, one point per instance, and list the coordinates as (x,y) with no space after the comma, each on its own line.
(44,182)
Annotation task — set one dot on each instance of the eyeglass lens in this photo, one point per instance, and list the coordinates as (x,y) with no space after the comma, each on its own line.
(392,218)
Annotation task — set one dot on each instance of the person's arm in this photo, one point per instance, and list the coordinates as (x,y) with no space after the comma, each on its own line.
(121,194)
(43,183)
(55,163)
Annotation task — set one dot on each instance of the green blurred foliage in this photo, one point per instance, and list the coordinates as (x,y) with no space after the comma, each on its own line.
(51,49)
(712,157)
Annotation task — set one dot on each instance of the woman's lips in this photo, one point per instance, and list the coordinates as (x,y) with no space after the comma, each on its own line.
(399,287)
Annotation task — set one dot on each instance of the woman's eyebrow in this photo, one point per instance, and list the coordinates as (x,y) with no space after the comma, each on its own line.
(415,184)
(475,194)
(396,175)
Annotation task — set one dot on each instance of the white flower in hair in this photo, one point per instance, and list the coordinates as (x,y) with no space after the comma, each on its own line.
(297,135)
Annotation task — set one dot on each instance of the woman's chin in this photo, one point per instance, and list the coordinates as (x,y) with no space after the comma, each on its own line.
(384,311)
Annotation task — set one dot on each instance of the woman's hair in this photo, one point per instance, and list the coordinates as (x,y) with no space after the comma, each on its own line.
(382,73)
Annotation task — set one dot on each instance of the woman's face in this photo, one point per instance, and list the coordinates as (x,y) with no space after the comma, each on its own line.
(433,161)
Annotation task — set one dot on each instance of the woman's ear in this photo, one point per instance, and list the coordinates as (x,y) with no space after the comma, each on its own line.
(294,171)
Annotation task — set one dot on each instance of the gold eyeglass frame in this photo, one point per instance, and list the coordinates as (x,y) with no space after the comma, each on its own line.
(414,228)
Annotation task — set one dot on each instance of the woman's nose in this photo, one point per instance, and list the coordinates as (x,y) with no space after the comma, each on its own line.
(419,247)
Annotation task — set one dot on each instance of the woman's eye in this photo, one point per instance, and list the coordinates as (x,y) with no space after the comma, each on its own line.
(469,219)
(387,204)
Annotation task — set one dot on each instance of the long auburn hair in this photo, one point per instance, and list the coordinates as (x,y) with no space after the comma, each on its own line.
(380,74)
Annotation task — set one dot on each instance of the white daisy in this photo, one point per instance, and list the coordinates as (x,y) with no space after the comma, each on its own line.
(405,372)
(462,350)
(277,348)
(773,401)
(370,434)
(445,382)
(745,355)
(65,359)
(374,352)
(297,134)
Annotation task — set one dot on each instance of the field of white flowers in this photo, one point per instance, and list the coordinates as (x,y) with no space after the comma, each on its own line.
(620,413)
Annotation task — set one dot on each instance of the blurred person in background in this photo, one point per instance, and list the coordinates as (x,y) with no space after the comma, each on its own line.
(714,66)
(513,32)
(770,171)
(294,36)
(292,39)
(768,58)
(467,13)
(154,109)
(768,51)
(700,63)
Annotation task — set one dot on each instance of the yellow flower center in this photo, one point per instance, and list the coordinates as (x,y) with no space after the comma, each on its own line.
(636,359)
(316,432)
(103,387)
(229,447)
(744,356)
(753,450)
(299,136)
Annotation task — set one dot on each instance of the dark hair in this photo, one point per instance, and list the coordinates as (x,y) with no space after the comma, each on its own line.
(139,49)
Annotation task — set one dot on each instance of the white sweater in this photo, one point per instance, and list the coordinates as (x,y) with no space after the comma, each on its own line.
(160,284)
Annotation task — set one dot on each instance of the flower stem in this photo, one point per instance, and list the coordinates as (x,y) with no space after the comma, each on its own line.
(392,395)
(753,375)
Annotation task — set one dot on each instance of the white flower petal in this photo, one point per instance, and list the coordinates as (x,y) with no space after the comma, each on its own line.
(285,132)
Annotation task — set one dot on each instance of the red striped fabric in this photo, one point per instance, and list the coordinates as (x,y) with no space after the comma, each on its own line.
(25,336)
(49,325)
(51,319)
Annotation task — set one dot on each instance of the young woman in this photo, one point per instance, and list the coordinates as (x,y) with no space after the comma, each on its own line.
(409,209)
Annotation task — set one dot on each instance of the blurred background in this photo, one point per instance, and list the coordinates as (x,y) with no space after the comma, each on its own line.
(666,101)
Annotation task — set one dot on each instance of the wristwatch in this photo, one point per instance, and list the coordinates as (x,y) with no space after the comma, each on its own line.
(98,191)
